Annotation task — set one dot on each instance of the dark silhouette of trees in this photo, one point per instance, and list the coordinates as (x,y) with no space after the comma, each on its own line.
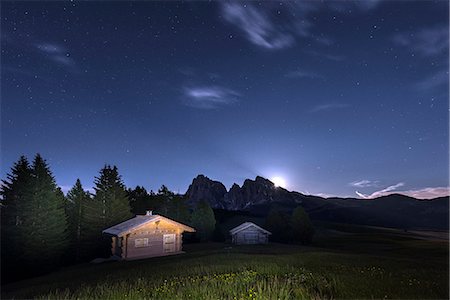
(302,228)
(34,223)
(77,201)
(108,207)
(203,220)
(15,190)
(277,222)
(140,200)
(43,223)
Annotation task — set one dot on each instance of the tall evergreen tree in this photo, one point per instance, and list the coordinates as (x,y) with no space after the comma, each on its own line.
(163,200)
(77,200)
(178,209)
(15,189)
(43,223)
(278,223)
(140,200)
(302,228)
(108,207)
(203,220)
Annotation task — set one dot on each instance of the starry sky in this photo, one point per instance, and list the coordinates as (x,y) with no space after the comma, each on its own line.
(335,97)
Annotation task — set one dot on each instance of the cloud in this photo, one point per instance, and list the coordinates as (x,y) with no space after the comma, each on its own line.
(434,81)
(361,5)
(363,183)
(209,97)
(367,5)
(329,106)
(293,20)
(325,55)
(427,42)
(380,193)
(303,74)
(428,193)
(425,193)
(256,25)
(56,53)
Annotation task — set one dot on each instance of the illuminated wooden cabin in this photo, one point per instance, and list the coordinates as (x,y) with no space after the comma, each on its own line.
(249,233)
(147,236)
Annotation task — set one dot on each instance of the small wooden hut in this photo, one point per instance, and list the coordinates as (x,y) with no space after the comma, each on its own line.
(146,236)
(249,233)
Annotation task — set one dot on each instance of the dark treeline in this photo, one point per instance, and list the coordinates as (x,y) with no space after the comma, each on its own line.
(43,229)
(294,228)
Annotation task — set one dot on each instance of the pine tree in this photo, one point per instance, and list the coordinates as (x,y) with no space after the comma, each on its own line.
(178,209)
(302,228)
(278,224)
(77,200)
(164,199)
(140,200)
(108,207)
(43,223)
(15,189)
(203,220)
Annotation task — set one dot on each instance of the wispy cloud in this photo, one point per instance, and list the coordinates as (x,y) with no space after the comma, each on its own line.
(327,107)
(427,42)
(367,4)
(428,193)
(424,193)
(364,183)
(56,53)
(383,192)
(362,5)
(433,81)
(294,19)
(256,25)
(325,55)
(209,97)
(303,74)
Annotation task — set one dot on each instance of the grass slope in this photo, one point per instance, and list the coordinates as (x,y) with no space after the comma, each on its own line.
(345,262)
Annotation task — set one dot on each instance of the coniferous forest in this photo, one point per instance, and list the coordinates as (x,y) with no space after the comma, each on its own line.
(44,229)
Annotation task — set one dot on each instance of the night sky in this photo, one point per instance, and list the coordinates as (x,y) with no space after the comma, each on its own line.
(338,98)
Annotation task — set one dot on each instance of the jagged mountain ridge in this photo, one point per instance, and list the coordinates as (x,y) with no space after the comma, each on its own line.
(260,195)
(253,192)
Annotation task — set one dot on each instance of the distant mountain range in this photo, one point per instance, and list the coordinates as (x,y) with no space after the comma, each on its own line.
(260,195)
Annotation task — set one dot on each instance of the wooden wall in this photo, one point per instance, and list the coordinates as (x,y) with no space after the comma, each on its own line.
(154,232)
(250,235)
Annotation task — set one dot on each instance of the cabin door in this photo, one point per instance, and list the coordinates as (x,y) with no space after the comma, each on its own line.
(169,243)
(251,238)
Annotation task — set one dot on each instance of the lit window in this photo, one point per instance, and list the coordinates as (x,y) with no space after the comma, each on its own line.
(141,242)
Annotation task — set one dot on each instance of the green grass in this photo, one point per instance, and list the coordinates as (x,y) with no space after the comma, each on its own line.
(356,264)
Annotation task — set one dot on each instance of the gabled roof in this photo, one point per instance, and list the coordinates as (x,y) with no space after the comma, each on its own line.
(138,221)
(245,226)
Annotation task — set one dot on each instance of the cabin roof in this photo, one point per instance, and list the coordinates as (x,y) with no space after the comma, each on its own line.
(126,227)
(245,226)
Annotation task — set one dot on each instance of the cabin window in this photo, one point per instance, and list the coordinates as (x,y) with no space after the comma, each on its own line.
(141,242)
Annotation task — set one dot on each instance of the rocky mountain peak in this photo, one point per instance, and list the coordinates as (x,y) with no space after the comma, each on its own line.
(203,188)
(252,192)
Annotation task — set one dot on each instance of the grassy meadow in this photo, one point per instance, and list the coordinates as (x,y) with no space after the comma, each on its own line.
(344,262)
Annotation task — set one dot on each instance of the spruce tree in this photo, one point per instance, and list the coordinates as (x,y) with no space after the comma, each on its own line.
(203,220)
(164,199)
(108,207)
(77,200)
(140,200)
(278,223)
(15,189)
(302,228)
(43,228)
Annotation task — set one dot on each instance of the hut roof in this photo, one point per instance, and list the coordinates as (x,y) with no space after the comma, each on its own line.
(126,227)
(247,225)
